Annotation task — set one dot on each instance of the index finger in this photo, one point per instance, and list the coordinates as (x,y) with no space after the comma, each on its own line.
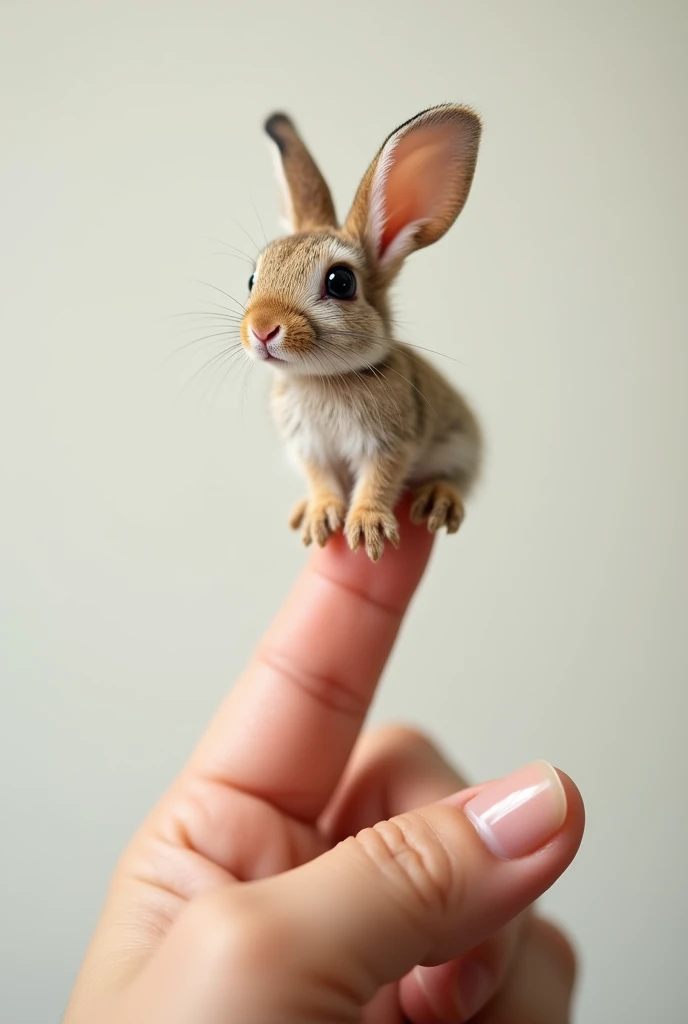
(286,730)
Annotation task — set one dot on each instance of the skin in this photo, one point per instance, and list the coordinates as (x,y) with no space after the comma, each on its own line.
(241,899)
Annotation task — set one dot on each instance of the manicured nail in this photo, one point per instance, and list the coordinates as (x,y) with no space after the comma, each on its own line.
(472,989)
(517,815)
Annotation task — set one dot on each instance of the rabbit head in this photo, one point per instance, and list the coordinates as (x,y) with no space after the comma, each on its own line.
(318,298)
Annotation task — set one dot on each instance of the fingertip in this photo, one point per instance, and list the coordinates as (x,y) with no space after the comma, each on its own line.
(454,992)
(541,983)
(393,579)
(573,825)
(559,947)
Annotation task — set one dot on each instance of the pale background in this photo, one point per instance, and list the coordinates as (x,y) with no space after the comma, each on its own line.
(143,544)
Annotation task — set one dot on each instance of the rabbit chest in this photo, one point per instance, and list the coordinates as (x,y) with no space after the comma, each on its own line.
(340,421)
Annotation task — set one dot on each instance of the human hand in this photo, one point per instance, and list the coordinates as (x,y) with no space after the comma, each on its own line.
(295,874)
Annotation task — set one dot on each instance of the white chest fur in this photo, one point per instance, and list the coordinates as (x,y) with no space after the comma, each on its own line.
(339,425)
(325,426)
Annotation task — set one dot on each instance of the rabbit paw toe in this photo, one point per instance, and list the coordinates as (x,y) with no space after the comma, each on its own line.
(371,527)
(439,504)
(319,519)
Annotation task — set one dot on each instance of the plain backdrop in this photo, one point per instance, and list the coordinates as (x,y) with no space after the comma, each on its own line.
(144,494)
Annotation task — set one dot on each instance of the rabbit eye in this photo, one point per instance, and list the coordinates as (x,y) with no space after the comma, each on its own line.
(251,281)
(340,283)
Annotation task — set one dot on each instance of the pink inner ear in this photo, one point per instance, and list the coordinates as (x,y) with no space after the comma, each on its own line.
(418,178)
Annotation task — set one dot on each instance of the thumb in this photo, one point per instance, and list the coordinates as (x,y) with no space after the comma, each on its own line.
(431,884)
(424,887)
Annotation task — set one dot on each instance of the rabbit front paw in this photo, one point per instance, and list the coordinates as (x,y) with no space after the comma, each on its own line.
(318,518)
(371,526)
(439,504)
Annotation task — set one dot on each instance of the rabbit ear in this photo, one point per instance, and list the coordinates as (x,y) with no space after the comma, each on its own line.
(307,203)
(417,185)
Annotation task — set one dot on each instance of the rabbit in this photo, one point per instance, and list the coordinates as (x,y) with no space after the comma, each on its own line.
(364,416)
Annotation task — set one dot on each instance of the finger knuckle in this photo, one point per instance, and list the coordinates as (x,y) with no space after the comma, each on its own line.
(413,858)
(405,738)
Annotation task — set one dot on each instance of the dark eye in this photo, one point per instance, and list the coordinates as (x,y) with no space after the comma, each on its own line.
(340,283)
(250,281)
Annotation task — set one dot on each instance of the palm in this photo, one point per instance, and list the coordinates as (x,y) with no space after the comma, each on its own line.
(230,837)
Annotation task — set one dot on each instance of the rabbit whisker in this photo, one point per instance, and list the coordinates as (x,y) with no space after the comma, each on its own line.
(229,365)
(331,383)
(369,336)
(205,337)
(227,353)
(434,352)
(351,369)
(417,390)
(206,312)
(250,237)
(241,252)
(342,355)
(211,325)
(223,292)
(262,226)
(236,256)
(228,310)
(244,390)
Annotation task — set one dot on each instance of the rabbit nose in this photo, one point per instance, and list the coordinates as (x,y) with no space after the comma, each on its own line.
(265,334)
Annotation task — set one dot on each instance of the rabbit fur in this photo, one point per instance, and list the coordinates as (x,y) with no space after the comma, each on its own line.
(364,416)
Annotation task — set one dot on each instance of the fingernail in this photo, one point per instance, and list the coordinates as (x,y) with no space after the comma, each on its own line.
(473,988)
(517,815)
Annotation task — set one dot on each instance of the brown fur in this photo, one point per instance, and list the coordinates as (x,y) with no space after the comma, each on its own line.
(311,202)
(364,414)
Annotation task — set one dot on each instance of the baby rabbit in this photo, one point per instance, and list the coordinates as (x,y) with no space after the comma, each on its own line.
(364,415)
